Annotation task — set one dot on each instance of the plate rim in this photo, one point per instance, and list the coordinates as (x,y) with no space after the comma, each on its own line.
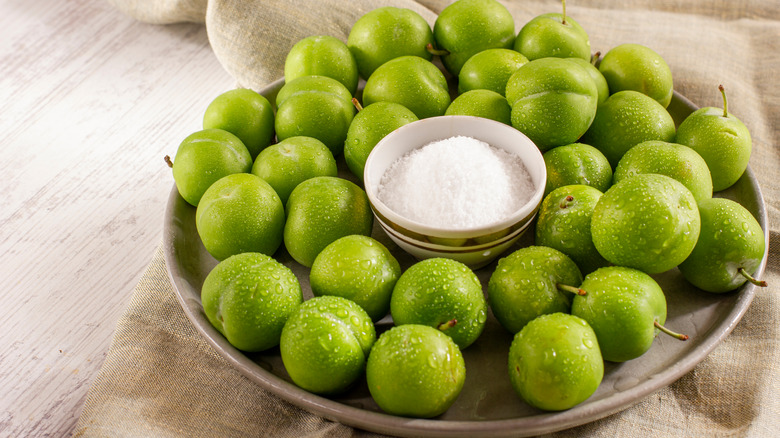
(380,422)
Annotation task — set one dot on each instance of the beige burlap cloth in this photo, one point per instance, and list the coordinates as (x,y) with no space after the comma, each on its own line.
(160,379)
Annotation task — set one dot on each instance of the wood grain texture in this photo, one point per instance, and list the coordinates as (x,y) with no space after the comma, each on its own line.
(90,102)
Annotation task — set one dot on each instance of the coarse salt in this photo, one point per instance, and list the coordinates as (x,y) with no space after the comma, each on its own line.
(457,182)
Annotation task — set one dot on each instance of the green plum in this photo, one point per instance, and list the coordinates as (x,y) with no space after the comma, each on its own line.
(321,210)
(322,55)
(244,113)
(553,35)
(730,248)
(415,371)
(671,159)
(564,221)
(358,268)
(370,125)
(649,222)
(325,344)
(203,158)
(576,163)
(489,70)
(386,33)
(555,362)
(639,68)
(322,115)
(626,119)
(530,282)
(312,83)
(467,27)
(248,298)
(293,160)
(481,103)
(721,139)
(240,213)
(412,82)
(626,308)
(553,101)
(595,74)
(444,294)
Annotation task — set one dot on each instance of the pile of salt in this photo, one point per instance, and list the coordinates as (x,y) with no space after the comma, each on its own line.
(458,182)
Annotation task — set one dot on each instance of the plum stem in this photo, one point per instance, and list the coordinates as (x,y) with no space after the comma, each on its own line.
(675,335)
(566,201)
(595,58)
(168,161)
(357,104)
(447,325)
(750,278)
(571,289)
(725,102)
(437,52)
(563,17)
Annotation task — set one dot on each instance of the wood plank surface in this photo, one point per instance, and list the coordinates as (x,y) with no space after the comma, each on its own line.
(90,102)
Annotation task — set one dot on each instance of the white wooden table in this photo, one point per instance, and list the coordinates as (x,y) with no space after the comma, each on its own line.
(90,102)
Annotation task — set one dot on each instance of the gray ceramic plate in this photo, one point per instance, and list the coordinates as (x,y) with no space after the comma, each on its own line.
(487,405)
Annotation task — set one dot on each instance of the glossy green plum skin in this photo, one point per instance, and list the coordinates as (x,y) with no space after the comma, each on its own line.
(595,74)
(639,68)
(563,223)
(324,116)
(325,344)
(626,119)
(415,371)
(370,125)
(410,81)
(467,27)
(649,222)
(437,290)
(386,33)
(548,36)
(555,363)
(312,83)
(204,157)
(321,210)
(481,103)
(244,113)
(240,213)
(248,298)
(671,159)
(358,268)
(730,239)
(489,70)
(576,163)
(723,142)
(322,55)
(621,305)
(293,160)
(553,101)
(523,285)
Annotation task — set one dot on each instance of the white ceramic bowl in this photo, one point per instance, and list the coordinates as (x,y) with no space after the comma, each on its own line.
(475,246)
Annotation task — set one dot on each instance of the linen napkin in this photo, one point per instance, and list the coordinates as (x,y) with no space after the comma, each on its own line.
(160,378)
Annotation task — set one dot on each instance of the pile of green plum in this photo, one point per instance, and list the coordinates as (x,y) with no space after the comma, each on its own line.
(628,195)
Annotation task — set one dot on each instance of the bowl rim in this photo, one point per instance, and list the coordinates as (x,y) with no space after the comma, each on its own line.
(437,247)
(457,122)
